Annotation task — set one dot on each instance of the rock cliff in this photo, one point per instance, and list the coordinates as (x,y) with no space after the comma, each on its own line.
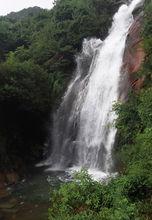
(134,53)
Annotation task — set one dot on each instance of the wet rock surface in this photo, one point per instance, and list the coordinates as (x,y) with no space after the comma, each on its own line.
(134,53)
(8,204)
(29,198)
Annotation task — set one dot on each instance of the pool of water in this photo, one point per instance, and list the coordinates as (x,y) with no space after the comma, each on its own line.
(29,199)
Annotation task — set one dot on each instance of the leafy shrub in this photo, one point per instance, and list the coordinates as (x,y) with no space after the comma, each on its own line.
(128,196)
(85,198)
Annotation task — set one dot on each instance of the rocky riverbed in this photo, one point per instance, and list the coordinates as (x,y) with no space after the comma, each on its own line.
(29,198)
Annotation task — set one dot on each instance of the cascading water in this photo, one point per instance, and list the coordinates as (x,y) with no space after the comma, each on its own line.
(83,133)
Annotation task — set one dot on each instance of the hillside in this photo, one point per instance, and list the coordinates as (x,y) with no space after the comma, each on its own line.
(37,59)
(32,11)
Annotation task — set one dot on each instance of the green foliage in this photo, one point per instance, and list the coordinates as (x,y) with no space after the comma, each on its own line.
(85,198)
(128,196)
(147,36)
(128,122)
(25,13)
(145,107)
(148,18)
(37,58)
(37,49)
(135,130)
(25,83)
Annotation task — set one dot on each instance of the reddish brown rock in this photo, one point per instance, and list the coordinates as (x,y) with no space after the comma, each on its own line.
(3,191)
(134,53)
(8,178)
(2,179)
(12,178)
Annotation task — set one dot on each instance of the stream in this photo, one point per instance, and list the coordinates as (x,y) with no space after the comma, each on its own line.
(29,199)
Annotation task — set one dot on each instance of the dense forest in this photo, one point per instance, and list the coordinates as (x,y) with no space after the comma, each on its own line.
(37,59)
(128,196)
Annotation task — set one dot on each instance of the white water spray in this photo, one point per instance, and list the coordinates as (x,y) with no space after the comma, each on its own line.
(84,134)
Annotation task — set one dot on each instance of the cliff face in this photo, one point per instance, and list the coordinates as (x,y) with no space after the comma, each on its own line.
(134,53)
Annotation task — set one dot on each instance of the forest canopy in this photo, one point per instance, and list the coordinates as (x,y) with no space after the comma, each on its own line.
(37,59)
(128,196)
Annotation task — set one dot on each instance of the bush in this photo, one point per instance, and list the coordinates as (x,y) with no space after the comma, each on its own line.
(85,198)
(128,196)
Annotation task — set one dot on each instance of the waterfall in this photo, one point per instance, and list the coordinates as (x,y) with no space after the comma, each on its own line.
(83,131)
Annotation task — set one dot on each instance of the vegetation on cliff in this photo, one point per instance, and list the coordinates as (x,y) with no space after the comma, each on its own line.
(37,49)
(128,196)
(37,58)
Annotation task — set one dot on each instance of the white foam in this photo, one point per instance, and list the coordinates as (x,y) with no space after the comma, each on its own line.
(84,132)
(95,174)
